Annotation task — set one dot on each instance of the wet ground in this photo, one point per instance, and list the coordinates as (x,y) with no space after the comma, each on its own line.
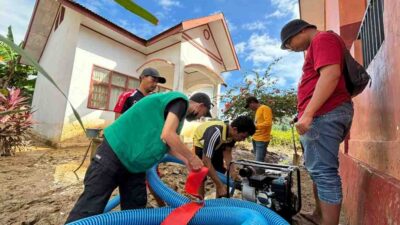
(39,186)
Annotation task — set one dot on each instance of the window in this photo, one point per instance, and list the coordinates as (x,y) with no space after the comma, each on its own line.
(371,31)
(106,86)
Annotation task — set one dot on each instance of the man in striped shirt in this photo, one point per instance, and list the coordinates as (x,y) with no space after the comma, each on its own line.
(213,142)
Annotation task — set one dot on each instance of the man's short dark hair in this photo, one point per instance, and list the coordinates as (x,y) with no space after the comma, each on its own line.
(244,124)
(249,100)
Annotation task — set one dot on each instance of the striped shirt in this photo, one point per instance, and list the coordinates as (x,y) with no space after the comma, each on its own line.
(212,140)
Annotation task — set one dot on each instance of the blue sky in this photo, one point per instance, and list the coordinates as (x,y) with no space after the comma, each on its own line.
(254,26)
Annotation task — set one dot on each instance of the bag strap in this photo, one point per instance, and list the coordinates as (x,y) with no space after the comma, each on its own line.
(345,52)
(340,40)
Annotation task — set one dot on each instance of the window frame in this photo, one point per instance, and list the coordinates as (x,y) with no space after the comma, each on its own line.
(372,31)
(109,85)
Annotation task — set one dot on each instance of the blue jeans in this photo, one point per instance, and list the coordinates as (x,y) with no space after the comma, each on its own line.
(321,149)
(260,149)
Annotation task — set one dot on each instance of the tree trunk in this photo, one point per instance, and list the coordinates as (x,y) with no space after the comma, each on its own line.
(10,74)
(5,149)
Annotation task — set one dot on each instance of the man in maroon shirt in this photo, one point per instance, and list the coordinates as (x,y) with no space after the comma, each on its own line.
(325,112)
(149,79)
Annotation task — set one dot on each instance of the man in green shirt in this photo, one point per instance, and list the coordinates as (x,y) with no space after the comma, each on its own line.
(133,144)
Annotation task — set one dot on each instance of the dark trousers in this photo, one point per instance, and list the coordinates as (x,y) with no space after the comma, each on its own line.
(217,159)
(105,173)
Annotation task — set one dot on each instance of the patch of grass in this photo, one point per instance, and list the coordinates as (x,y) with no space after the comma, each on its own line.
(284,138)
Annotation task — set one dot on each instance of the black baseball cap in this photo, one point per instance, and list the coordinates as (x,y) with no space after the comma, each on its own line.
(291,29)
(200,97)
(154,73)
(250,100)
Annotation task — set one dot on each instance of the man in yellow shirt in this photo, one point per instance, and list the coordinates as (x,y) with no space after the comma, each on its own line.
(263,122)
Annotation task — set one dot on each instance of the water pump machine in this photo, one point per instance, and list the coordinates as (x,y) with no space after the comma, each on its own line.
(270,185)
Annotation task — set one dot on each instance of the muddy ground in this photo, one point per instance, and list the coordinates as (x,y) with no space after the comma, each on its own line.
(39,187)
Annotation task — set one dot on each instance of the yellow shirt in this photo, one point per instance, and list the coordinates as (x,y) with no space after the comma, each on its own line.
(199,133)
(263,121)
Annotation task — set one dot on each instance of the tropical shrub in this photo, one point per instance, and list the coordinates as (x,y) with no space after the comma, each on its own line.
(15,112)
(12,72)
(15,125)
(263,87)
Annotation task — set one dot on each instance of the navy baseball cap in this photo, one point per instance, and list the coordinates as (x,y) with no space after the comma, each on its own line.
(200,97)
(154,73)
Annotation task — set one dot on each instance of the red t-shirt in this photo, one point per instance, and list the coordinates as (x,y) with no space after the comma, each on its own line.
(121,100)
(325,49)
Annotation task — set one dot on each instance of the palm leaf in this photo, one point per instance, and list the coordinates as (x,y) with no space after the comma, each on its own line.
(138,10)
(42,71)
(6,52)
(10,34)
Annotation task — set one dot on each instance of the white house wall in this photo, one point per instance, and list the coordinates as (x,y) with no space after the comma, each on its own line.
(192,55)
(72,51)
(199,35)
(171,54)
(96,49)
(57,60)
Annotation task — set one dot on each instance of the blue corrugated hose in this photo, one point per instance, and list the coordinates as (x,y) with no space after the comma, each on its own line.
(210,215)
(215,211)
(114,202)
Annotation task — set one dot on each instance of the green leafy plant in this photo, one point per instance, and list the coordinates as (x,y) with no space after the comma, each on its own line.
(12,51)
(263,87)
(12,72)
(14,127)
(18,116)
(40,69)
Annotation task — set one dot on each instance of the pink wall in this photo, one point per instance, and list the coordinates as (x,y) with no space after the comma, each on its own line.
(370,197)
(375,134)
(332,21)
(370,165)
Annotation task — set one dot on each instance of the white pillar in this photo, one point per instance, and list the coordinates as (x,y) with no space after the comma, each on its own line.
(216,100)
(179,73)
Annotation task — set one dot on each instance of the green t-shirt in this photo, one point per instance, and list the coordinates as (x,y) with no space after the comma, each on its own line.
(135,136)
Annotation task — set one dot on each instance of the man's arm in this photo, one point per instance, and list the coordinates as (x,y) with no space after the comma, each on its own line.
(228,159)
(326,85)
(212,173)
(180,157)
(172,139)
(212,136)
